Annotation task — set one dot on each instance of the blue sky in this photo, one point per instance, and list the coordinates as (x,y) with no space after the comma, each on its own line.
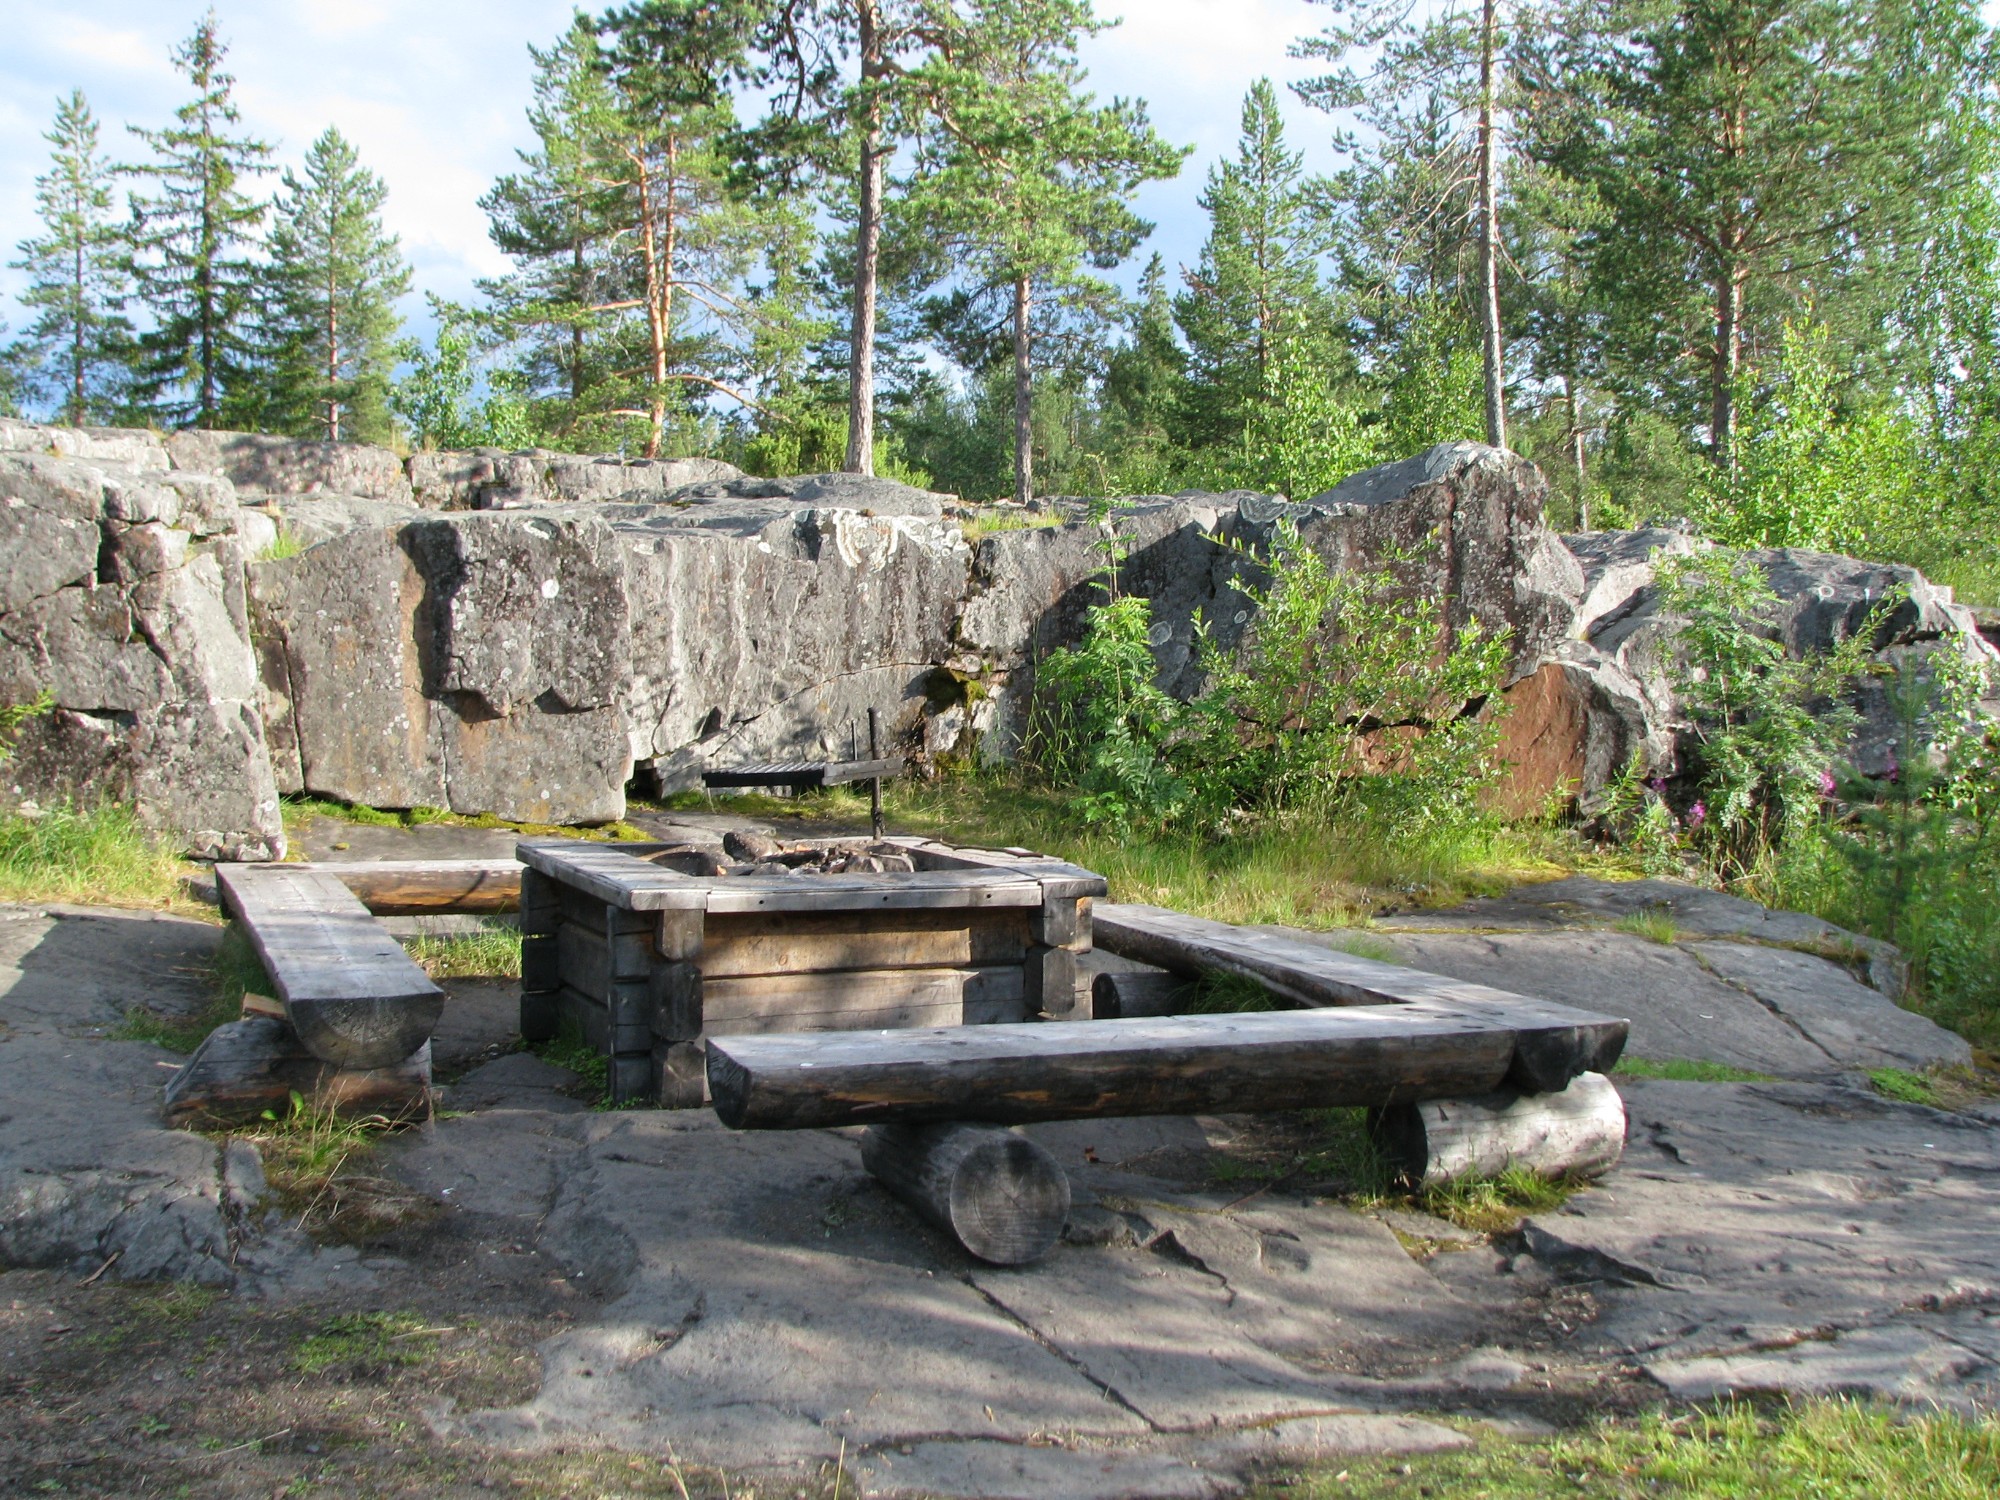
(433,95)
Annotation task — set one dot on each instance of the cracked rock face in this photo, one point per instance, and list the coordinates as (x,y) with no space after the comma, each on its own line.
(122,597)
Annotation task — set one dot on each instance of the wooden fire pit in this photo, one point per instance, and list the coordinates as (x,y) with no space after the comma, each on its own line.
(643,951)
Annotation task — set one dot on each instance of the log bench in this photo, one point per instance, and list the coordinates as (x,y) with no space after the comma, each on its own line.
(937,1101)
(352,995)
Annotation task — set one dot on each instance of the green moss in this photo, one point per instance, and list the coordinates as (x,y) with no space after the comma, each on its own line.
(1686,1070)
(361,1343)
(1653,924)
(1909,1088)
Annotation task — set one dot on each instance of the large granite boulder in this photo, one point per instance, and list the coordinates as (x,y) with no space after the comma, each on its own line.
(122,598)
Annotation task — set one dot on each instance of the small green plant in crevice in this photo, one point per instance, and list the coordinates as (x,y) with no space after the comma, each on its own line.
(312,1157)
(568,1049)
(1903,1086)
(14,716)
(1687,1070)
(286,543)
(367,1343)
(1654,924)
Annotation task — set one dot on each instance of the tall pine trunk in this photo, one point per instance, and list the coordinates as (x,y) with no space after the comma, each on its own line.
(332,351)
(1024,390)
(867,247)
(78,306)
(1492,353)
(661,246)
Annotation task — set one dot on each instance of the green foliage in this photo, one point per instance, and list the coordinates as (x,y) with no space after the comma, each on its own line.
(1806,471)
(435,398)
(1767,726)
(1347,695)
(1826,1449)
(1654,926)
(79,276)
(330,322)
(1346,698)
(494,952)
(1305,435)
(1104,726)
(15,716)
(570,1050)
(192,236)
(99,853)
(364,1343)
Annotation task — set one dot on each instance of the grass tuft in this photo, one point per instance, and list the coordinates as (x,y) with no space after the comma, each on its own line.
(312,1162)
(1822,1449)
(494,952)
(97,854)
(1653,924)
(1687,1070)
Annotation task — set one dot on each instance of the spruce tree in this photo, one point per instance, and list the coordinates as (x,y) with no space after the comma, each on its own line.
(198,362)
(331,322)
(1257,283)
(80,344)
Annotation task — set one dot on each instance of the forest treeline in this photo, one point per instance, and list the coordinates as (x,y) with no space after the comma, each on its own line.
(1735,261)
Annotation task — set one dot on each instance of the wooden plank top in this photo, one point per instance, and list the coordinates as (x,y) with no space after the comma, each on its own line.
(1013,1073)
(1304,973)
(636,885)
(353,995)
(1058,878)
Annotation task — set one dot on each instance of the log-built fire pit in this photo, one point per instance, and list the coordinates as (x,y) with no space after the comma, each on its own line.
(644,950)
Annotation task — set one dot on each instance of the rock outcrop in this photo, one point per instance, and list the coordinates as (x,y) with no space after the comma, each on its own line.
(522,633)
(122,599)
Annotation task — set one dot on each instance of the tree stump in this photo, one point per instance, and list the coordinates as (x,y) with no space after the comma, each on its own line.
(250,1066)
(998,1194)
(1578,1131)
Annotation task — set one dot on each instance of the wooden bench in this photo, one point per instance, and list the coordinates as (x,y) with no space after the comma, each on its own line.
(1459,1078)
(350,992)
(804,775)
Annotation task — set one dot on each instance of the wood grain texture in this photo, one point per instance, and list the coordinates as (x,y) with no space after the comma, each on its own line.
(1179,1065)
(1002,1197)
(354,997)
(247,1067)
(1578,1131)
(862,1001)
(1554,1043)
(409,887)
(801,942)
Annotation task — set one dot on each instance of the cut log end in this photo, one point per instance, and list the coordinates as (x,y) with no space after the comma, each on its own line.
(1578,1131)
(1002,1197)
(1118,995)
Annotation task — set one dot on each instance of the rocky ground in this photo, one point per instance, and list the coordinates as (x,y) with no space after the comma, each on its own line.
(548,1298)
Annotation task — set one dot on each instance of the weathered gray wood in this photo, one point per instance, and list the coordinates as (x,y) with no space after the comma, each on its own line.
(1129,995)
(415,887)
(680,1079)
(1058,879)
(1052,984)
(812,942)
(1002,1197)
(244,1068)
(862,1000)
(1553,1042)
(1578,1131)
(352,994)
(1181,1065)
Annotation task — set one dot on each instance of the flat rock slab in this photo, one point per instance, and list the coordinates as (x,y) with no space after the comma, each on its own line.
(770,1303)
(1793,1236)
(1736,983)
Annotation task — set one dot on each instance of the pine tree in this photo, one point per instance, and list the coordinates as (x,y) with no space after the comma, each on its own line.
(198,362)
(1026,173)
(1257,283)
(79,276)
(330,323)
(550,219)
(1752,155)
